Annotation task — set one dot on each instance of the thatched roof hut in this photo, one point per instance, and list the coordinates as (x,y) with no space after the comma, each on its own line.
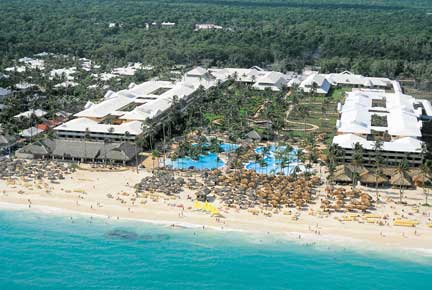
(415,171)
(344,173)
(389,171)
(420,180)
(373,178)
(401,179)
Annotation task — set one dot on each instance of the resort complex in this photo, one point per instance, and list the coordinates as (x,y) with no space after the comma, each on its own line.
(203,144)
(389,118)
(372,111)
(126,114)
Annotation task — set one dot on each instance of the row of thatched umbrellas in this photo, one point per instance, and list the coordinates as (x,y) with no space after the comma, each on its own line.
(352,200)
(33,169)
(162,182)
(247,189)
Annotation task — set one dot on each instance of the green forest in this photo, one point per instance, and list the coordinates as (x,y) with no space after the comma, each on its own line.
(390,38)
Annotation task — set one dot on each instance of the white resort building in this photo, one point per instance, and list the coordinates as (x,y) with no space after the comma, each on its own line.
(207,26)
(121,115)
(393,117)
(321,83)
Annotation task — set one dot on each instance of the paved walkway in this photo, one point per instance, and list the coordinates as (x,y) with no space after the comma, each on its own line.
(312,127)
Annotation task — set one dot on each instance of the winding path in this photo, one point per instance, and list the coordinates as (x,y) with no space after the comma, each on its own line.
(313,127)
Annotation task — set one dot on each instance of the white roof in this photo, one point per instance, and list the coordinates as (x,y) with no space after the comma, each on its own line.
(272,77)
(273,80)
(81,124)
(104,76)
(19,69)
(33,63)
(4,92)
(355,121)
(150,98)
(356,113)
(30,132)
(38,113)
(207,26)
(403,124)
(319,80)
(198,71)
(427,107)
(153,108)
(105,108)
(406,144)
(348,78)
(67,72)
(128,70)
(24,86)
(43,54)
(66,84)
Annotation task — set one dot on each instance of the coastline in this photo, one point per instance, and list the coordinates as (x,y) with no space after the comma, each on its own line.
(65,199)
(328,242)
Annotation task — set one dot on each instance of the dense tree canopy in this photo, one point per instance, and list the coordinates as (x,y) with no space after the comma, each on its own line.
(387,37)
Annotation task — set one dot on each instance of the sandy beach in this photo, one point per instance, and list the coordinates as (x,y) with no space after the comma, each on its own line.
(111,194)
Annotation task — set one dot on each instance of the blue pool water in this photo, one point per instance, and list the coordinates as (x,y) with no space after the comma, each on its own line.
(229,147)
(208,161)
(39,251)
(273,164)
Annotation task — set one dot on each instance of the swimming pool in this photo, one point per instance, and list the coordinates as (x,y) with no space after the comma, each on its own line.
(271,165)
(205,161)
(229,147)
(208,161)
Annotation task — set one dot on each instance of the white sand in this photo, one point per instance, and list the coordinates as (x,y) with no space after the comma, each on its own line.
(67,197)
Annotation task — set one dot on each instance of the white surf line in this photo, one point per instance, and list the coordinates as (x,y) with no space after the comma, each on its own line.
(333,242)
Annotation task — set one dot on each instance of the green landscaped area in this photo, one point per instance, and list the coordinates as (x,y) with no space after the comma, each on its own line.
(317,114)
(235,109)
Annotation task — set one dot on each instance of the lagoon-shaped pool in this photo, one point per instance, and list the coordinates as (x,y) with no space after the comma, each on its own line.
(272,165)
(205,161)
(208,161)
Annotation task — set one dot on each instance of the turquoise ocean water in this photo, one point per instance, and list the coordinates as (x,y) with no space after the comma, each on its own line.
(46,251)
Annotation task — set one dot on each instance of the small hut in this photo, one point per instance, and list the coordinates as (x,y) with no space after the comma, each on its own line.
(401,179)
(369,178)
(253,136)
(344,173)
(421,180)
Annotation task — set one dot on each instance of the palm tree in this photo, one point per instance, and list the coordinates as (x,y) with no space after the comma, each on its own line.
(356,161)
(402,171)
(262,163)
(378,163)
(110,131)
(286,157)
(86,137)
(139,141)
(126,136)
(257,160)
(331,170)
(300,158)
(304,112)
(426,170)
(279,156)
(155,154)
